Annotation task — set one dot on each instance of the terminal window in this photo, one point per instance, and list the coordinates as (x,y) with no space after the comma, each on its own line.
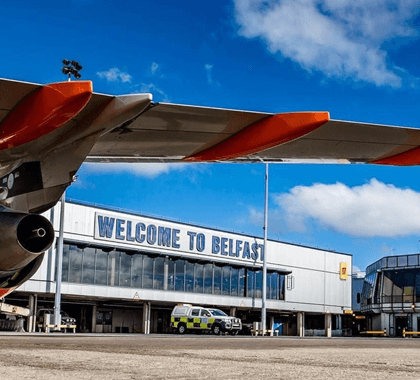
(96,266)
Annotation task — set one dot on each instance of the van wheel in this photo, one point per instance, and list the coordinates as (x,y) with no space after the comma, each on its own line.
(182,329)
(215,329)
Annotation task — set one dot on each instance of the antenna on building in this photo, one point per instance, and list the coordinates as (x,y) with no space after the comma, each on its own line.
(71,68)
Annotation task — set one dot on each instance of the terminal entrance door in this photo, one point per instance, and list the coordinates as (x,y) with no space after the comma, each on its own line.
(400,324)
(160,321)
(103,321)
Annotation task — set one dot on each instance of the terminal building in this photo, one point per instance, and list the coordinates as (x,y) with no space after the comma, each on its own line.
(124,272)
(391,294)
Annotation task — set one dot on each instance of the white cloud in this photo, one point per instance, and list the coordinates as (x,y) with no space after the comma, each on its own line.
(148,170)
(114,75)
(209,72)
(373,209)
(154,68)
(150,87)
(358,272)
(255,217)
(340,38)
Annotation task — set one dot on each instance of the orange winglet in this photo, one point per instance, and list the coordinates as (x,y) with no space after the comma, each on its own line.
(410,157)
(263,134)
(4,292)
(42,111)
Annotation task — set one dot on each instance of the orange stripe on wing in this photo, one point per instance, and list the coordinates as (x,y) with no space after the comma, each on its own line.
(410,157)
(42,111)
(263,134)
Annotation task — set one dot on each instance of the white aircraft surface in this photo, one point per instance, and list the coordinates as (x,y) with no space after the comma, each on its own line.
(48,131)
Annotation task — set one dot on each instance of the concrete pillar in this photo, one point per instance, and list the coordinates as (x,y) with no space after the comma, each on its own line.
(30,322)
(146,317)
(94,310)
(328,325)
(165,274)
(36,310)
(232,311)
(339,322)
(301,323)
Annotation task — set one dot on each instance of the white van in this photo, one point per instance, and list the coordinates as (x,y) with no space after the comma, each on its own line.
(187,317)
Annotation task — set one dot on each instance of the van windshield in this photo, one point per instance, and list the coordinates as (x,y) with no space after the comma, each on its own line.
(217,312)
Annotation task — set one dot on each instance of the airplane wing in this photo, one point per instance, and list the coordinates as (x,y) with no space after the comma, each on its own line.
(138,130)
(48,131)
(169,132)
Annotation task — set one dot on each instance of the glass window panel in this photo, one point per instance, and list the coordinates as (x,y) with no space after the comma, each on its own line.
(258,284)
(269,285)
(198,282)
(208,278)
(159,272)
(226,281)
(402,261)
(171,274)
(125,270)
(100,267)
(180,275)
(413,260)
(88,272)
(234,282)
(113,268)
(147,272)
(217,280)
(241,290)
(281,286)
(137,270)
(205,313)
(392,262)
(189,277)
(75,273)
(275,293)
(250,283)
(386,288)
(381,264)
(65,271)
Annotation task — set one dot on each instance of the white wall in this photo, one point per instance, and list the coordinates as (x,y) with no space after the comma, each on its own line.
(316,283)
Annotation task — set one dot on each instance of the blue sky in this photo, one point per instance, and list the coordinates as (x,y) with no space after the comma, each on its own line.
(357,59)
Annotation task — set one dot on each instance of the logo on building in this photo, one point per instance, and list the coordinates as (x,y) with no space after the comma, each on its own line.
(343,271)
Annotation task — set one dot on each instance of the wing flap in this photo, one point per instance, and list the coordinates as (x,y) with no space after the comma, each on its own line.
(355,142)
(172,132)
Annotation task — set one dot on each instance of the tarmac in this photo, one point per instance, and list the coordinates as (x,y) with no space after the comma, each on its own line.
(135,356)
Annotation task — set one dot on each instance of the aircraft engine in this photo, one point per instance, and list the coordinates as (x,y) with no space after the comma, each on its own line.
(23,240)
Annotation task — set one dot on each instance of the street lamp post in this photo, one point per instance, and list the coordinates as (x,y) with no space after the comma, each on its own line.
(57,303)
(264,283)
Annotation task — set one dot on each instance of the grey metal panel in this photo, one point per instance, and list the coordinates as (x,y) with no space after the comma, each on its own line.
(347,140)
(168,130)
(11,92)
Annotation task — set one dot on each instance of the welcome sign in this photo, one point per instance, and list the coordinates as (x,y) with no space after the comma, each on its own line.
(145,232)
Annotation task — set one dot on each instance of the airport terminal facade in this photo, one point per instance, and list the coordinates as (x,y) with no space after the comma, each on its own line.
(124,272)
(391,294)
